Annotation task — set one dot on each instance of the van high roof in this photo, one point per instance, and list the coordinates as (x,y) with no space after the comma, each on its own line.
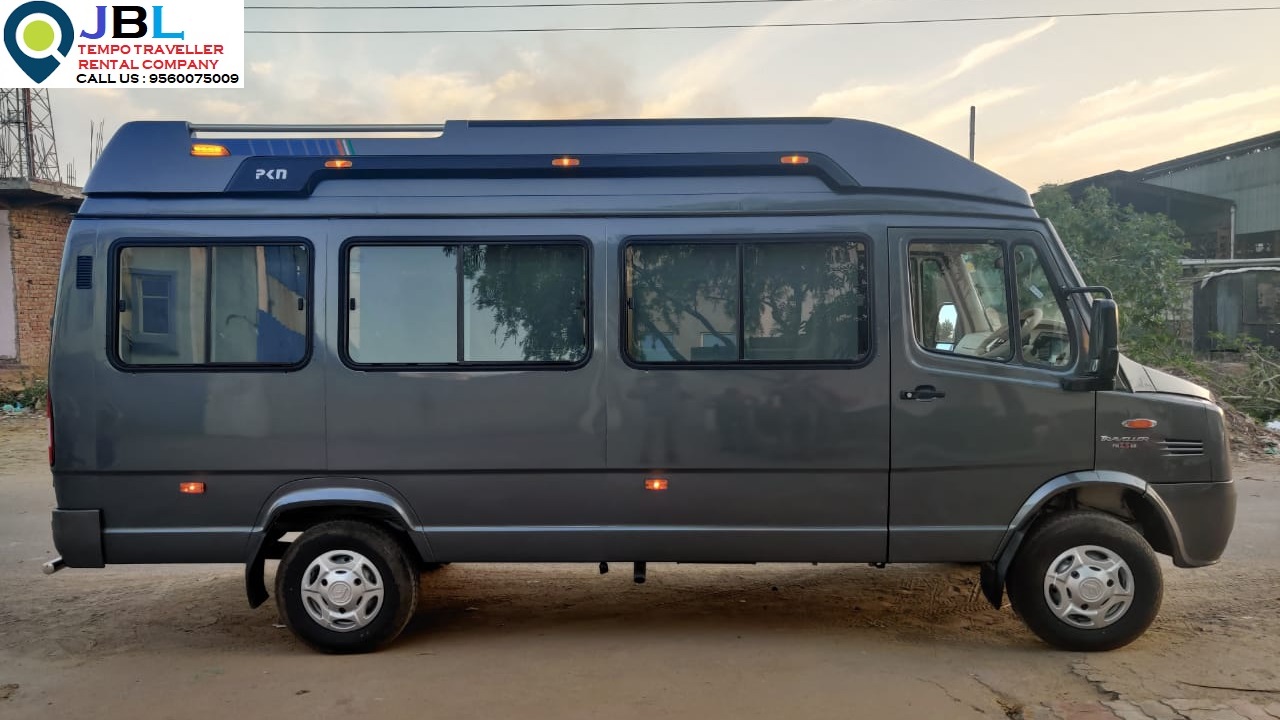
(155,158)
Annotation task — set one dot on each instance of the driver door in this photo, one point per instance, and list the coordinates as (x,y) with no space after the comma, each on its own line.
(981,339)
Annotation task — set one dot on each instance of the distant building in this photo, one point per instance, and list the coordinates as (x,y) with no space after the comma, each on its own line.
(1227,202)
(34,217)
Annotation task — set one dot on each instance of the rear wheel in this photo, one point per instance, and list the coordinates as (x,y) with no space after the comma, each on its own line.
(1085,580)
(346,587)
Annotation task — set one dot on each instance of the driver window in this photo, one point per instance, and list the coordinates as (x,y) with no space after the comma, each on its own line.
(959,298)
(1045,339)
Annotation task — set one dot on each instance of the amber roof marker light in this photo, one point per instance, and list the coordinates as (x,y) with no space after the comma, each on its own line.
(566,162)
(337,164)
(794,160)
(209,150)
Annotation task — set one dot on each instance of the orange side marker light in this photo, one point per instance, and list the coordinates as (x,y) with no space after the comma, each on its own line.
(191,488)
(209,150)
(655,484)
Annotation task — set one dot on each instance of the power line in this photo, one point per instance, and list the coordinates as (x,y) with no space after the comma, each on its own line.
(745,26)
(624,3)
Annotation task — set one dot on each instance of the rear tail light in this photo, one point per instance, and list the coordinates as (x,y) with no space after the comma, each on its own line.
(48,414)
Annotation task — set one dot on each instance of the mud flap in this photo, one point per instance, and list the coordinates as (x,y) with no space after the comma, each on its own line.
(993,574)
(255,585)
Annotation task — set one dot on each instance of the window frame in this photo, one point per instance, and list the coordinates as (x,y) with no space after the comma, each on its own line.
(1053,275)
(462,365)
(117,247)
(740,240)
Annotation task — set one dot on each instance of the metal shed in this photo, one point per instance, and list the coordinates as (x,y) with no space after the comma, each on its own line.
(1236,301)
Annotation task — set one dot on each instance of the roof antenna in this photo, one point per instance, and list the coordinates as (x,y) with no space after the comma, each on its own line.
(973,128)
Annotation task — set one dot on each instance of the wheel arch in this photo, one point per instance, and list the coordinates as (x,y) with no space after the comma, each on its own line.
(1125,496)
(301,504)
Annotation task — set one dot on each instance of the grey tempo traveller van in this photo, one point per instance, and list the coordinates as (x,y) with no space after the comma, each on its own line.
(719,341)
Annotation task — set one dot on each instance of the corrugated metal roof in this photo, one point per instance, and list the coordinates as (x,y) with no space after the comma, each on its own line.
(1251,180)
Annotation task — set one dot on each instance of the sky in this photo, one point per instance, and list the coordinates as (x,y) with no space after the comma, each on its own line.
(1058,99)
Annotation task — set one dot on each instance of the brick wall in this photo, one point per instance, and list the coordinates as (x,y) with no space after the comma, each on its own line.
(37,234)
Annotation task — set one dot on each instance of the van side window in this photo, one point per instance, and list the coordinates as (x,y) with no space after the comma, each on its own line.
(235,304)
(959,299)
(473,303)
(1046,339)
(768,301)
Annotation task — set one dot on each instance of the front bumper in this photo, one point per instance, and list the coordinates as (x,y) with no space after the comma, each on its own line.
(77,534)
(1202,515)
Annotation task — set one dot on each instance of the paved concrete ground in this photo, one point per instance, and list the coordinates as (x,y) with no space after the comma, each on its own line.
(493,641)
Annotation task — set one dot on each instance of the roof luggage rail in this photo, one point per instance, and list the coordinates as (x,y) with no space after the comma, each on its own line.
(314,128)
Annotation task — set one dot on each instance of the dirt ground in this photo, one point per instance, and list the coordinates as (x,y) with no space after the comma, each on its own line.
(561,641)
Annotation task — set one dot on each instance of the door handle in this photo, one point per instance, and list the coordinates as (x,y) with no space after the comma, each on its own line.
(923,392)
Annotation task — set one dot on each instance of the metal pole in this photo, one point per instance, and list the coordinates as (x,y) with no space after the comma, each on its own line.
(973,127)
(26,133)
(1232,252)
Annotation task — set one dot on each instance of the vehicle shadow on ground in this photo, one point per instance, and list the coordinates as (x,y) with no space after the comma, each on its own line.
(82,616)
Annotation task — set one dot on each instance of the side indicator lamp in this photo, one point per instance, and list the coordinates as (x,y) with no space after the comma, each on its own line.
(795,160)
(1139,424)
(337,164)
(566,162)
(191,488)
(206,150)
(655,484)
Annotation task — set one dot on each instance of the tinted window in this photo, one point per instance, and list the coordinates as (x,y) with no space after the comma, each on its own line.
(683,302)
(1042,322)
(403,304)
(792,301)
(524,303)
(212,304)
(521,302)
(959,299)
(804,301)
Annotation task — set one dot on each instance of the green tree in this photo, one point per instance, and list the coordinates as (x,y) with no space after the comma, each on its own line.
(1134,254)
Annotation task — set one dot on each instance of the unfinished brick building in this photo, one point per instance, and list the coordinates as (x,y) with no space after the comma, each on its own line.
(34,217)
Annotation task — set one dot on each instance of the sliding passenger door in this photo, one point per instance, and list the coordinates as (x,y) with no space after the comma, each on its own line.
(748,416)
(467,378)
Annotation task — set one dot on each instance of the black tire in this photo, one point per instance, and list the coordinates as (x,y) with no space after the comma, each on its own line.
(1055,535)
(399,578)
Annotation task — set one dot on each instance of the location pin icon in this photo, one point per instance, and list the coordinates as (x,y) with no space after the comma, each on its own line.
(38,36)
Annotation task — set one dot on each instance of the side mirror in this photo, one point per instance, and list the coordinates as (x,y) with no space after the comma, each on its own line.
(945,332)
(1103,359)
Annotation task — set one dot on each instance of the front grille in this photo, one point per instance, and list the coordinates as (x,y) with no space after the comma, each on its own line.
(1182,448)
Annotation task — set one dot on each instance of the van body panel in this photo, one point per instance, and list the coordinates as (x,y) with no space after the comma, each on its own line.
(761,461)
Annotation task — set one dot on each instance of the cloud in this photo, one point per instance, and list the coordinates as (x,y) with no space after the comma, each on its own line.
(851,101)
(1137,139)
(957,113)
(1136,93)
(987,52)
(855,99)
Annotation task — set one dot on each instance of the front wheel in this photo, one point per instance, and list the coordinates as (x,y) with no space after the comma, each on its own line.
(346,587)
(1085,581)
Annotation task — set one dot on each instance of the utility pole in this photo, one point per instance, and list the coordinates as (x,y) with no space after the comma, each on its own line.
(973,127)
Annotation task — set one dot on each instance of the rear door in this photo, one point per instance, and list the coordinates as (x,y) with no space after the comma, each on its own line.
(981,339)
